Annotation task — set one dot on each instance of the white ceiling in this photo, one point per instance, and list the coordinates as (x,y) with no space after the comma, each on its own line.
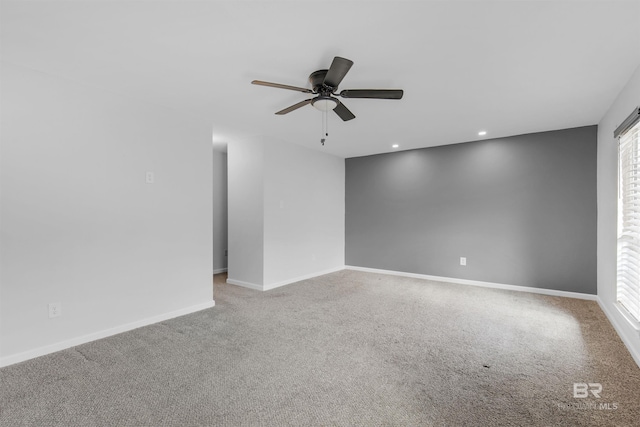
(509,67)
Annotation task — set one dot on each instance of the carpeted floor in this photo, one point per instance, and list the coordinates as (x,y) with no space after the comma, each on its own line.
(348,348)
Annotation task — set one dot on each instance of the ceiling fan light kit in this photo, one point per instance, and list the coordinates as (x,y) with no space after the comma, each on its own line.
(324,85)
(324,103)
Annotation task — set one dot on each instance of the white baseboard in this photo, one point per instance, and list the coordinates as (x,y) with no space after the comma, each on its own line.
(249,285)
(542,291)
(630,341)
(220,270)
(63,345)
(300,278)
(270,286)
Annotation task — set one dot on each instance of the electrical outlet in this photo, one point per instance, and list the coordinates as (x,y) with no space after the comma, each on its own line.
(226,252)
(55,309)
(150,178)
(463,260)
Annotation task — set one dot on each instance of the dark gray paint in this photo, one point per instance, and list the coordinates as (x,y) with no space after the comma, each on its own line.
(522,210)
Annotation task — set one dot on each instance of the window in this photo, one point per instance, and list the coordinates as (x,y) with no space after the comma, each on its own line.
(628,282)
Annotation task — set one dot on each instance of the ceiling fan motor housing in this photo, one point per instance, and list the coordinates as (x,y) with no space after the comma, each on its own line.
(317,82)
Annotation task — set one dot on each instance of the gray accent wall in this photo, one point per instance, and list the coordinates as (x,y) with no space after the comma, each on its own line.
(521,210)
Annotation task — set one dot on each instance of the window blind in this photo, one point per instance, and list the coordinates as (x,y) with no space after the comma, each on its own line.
(628,283)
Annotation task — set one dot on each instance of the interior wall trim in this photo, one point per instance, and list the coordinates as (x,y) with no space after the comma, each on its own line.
(249,285)
(551,292)
(63,345)
(274,285)
(300,278)
(626,339)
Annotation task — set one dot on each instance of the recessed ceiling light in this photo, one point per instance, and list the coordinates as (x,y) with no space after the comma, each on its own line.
(395,146)
(482,133)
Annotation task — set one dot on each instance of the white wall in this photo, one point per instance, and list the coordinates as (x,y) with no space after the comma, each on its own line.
(303,212)
(627,100)
(79,224)
(219,211)
(245,163)
(286,213)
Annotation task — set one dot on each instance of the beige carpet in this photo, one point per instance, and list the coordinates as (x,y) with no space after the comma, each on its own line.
(348,348)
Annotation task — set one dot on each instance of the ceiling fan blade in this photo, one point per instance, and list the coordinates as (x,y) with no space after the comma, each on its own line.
(337,71)
(294,107)
(372,93)
(343,112)
(280,86)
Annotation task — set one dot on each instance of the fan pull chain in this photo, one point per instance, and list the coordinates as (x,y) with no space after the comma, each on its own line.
(326,124)
(325,127)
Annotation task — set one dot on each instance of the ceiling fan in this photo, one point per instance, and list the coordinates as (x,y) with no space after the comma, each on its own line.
(325,83)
